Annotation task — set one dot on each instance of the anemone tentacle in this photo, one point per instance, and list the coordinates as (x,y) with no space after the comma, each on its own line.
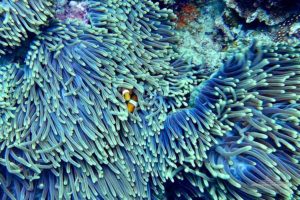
(255,100)
(66,131)
(20,18)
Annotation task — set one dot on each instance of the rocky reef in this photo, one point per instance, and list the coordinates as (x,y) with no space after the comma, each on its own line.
(270,12)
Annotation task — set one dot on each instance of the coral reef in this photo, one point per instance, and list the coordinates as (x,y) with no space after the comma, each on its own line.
(218,34)
(270,12)
(199,35)
(288,31)
(187,14)
(72,10)
(67,131)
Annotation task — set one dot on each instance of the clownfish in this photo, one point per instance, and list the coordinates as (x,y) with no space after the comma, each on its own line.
(126,94)
(131,99)
(132,103)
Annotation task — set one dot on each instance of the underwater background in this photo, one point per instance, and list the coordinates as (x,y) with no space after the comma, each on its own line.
(149,99)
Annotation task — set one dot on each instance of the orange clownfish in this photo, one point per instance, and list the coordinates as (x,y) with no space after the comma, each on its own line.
(130,98)
(132,103)
(126,94)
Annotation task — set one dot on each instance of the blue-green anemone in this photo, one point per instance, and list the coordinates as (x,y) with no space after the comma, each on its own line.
(19,19)
(66,132)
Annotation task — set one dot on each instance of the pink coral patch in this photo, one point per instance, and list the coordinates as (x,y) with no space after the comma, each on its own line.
(74,10)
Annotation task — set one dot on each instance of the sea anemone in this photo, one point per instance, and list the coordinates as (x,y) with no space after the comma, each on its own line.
(249,131)
(20,18)
(66,131)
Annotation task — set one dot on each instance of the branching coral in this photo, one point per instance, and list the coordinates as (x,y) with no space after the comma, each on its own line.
(66,132)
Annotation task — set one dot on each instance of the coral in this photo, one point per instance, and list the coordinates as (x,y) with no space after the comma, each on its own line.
(66,131)
(194,45)
(186,14)
(200,35)
(270,12)
(289,29)
(72,10)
